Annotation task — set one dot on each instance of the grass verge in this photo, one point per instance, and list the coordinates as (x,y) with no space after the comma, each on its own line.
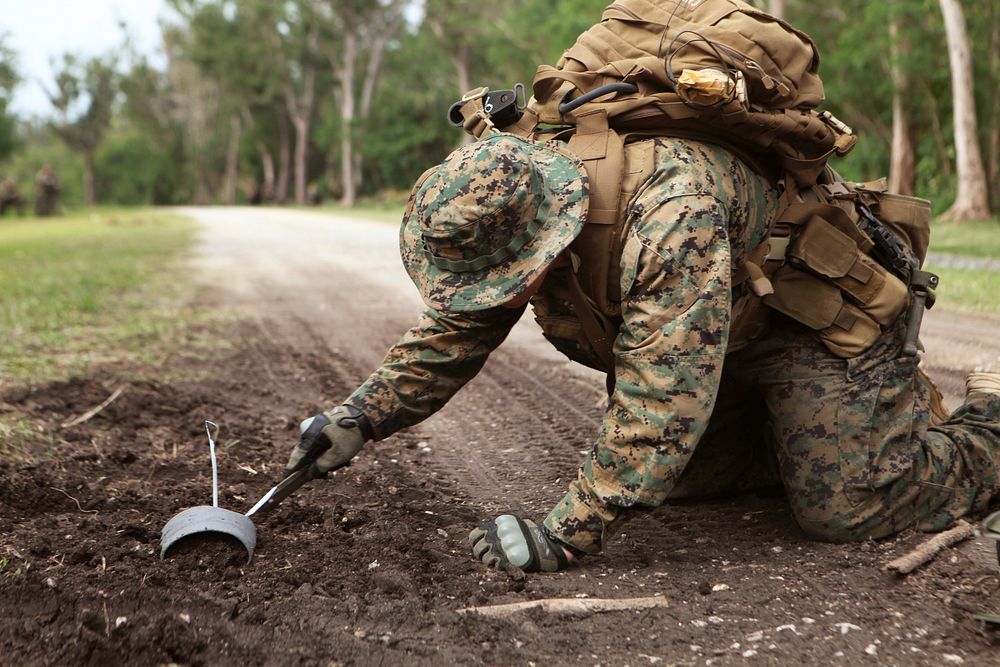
(968,289)
(970,239)
(91,287)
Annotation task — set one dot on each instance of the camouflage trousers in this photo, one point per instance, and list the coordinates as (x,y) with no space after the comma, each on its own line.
(855,442)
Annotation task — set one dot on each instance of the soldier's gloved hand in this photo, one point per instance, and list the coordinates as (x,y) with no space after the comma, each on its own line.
(522,542)
(331,439)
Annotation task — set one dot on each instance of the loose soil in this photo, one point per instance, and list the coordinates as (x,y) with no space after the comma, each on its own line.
(370,566)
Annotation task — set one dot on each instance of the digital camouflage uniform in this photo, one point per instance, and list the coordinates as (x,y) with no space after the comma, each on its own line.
(851,440)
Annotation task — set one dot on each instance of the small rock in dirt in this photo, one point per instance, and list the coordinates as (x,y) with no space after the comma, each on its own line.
(755,636)
(871,649)
(443,533)
(846,627)
(373,565)
(120,621)
(698,623)
(718,588)
(50,582)
(749,654)
(953,659)
(715,620)
(185,618)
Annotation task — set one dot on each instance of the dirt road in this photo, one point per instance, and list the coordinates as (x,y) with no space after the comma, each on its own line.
(371,566)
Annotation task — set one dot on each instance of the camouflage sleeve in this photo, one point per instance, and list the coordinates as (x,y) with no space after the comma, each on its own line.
(668,363)
(429,364)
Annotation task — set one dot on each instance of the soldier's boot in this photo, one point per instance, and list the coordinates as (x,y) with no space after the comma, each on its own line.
(985,383)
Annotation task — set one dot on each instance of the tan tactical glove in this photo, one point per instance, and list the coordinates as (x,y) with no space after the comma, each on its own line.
(521,542)
(330,440)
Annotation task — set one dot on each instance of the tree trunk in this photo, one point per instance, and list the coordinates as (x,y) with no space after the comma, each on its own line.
(203,190)
(971,202)
(266,191)
(284,162)
(375,64)
(232,160)
(300,108)
(903,162)
(301,124)
(776,8)
(460,58)
(347,115)
(267,166)
(940,142)
(994,148)
(903,165)
(89,181)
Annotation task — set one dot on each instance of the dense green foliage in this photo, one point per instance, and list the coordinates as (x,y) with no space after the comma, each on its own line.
(218,122)
(9,79)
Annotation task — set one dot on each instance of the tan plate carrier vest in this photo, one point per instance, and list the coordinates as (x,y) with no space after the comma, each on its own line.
(814,266)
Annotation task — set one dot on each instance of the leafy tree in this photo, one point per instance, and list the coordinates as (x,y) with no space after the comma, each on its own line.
(231,44)
(9,80)
(91,84)
(356,26)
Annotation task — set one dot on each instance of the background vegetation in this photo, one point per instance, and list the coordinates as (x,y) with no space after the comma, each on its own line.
(303,100)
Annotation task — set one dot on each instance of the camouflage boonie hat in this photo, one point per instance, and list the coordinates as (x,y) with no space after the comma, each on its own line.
(484,224)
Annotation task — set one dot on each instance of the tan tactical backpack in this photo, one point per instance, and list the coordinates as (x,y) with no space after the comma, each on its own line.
(725,72)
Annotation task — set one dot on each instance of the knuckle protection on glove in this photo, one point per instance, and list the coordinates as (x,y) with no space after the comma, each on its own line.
(513,541)
(508,539)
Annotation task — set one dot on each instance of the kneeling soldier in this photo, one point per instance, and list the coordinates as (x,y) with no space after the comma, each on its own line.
(857,442)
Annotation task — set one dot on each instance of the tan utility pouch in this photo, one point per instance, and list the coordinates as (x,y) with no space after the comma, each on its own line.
(824,250)
(819,304)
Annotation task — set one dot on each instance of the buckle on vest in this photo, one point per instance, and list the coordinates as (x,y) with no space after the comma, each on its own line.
(777,248)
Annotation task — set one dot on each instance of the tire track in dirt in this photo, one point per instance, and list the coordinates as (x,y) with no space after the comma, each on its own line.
(510,416)
(345,306)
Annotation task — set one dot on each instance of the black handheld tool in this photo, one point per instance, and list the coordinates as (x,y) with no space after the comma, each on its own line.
(315,443)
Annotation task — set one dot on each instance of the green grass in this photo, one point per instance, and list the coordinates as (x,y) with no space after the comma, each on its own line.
(975,290)
(972,239)
(971,290)
(89,287)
